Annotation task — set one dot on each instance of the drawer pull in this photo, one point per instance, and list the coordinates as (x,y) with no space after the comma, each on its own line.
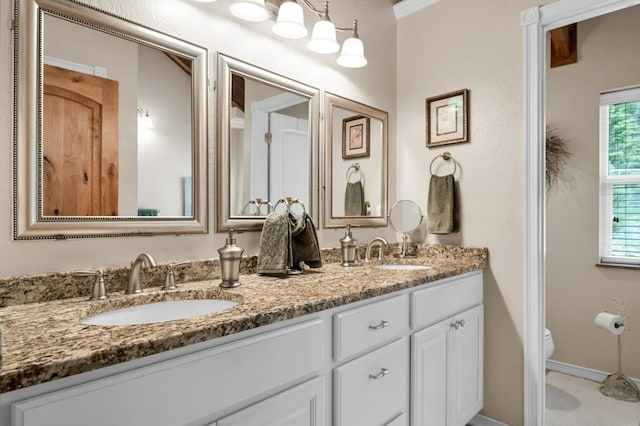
(380,326)
(457,324)
(383,372)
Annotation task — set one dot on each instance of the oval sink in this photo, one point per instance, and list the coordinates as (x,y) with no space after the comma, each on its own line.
(400,267)
(159,312)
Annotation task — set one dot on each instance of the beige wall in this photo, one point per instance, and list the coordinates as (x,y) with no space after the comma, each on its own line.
(576,289)
(209,25)
(458,44)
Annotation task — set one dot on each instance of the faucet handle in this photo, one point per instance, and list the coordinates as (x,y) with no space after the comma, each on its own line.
(99,291)
(170,279)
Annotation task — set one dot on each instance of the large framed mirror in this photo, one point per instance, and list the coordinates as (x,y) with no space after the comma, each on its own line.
(110,134)
(267,144)
(357,164)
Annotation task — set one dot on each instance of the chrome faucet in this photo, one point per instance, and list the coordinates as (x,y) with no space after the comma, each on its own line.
(377,241)
(134,274)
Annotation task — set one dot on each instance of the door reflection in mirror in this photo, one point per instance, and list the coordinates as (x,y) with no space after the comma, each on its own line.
(270,153)
(92,147)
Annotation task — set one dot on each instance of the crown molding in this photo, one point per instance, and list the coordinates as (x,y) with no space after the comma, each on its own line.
(407,7)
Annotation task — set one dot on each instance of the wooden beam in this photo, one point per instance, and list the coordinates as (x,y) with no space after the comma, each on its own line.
(564,45)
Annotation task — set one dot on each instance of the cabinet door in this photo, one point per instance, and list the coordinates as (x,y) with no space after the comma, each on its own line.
(430,367)
(467,359)
(302,405)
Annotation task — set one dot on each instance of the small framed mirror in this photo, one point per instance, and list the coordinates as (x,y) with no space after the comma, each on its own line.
(357,164)
(87,161)
(267,144)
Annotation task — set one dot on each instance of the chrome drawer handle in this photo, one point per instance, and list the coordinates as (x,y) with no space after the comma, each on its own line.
(380,326)
(457,324)
(380,375)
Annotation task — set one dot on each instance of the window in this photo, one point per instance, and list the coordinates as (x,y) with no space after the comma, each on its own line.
(620,177)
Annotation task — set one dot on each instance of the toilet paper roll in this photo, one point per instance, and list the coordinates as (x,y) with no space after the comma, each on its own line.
(610,322)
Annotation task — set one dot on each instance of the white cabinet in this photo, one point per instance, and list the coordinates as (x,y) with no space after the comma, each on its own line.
(412,356)
(303,405)
(374,389)
(447,362)
(188,389)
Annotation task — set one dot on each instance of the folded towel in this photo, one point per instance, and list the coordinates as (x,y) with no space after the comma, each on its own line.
(354,199)
(304,242)
(275,255)
(441,207)
(148,212)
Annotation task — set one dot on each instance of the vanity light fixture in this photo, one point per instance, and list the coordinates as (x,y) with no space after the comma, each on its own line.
(290,24)
(143,119)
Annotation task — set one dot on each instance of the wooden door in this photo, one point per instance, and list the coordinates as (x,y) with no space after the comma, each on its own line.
(80,144)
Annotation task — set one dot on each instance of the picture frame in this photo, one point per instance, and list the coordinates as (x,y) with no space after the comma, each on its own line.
(355,137)
(447,119)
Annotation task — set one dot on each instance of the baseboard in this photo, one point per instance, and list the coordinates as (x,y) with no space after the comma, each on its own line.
(575,370)
(485,421)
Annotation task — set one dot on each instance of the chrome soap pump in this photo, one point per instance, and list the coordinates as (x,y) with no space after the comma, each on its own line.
(349,248)
(230,256)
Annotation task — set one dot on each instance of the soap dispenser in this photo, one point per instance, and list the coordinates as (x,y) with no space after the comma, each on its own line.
(349,248)
(230,256)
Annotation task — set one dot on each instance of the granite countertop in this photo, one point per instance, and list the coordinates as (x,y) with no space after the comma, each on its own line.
(45,341)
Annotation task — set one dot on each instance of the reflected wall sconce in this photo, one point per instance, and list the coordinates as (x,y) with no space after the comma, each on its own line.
(143,119)
(290,24)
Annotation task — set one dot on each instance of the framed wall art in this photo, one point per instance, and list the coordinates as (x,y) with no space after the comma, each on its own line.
(355,137)
(448,118)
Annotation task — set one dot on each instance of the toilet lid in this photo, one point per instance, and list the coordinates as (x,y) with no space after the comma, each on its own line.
(547,333)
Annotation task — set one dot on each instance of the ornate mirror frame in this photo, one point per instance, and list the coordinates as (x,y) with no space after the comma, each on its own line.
(226,67)
(332,101)
(28,220)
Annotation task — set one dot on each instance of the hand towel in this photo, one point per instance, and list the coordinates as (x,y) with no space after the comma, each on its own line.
(275,255)
(354,199)
(441,205)
(304,242)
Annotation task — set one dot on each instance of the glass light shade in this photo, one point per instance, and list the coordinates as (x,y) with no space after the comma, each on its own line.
(249,10)
(145,121)
(290,22)
(206,1)
(352,55)
(323,38)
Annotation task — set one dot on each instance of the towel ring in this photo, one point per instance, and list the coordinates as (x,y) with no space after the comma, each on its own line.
(446,156)
(355,168)
(289,201)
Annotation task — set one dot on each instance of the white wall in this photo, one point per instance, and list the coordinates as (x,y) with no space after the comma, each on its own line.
(478,45)
(576,290)
(208,25)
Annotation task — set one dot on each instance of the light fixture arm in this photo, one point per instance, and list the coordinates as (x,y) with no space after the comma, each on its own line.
(322,14)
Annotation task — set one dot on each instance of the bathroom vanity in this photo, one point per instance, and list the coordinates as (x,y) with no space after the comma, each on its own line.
(346,346)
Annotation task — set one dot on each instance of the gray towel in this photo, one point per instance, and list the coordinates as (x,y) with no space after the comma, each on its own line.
(441,208)
(304,242)
(275,255)
(354,199)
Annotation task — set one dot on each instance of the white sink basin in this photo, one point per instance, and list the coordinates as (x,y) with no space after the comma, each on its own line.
(159,312)
(400,267)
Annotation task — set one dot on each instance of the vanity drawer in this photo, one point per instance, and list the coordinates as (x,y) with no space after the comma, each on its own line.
(186,389)
(357,330)
(373,389)
(436,303)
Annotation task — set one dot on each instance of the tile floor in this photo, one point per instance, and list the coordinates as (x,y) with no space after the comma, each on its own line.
(575,401)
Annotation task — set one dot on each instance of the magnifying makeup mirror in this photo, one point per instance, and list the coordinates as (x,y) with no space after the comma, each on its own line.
(405,216)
